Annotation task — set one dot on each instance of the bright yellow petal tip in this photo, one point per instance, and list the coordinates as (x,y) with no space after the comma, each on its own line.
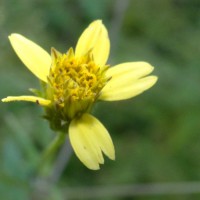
(38,100)
(95,39)
(89,138)
(34,57)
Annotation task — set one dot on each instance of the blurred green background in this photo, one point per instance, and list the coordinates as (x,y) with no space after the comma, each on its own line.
(156,134)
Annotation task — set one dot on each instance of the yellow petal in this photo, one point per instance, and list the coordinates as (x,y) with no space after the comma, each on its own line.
(127,81)
(88,138)
(94,38)
(38,100)
(36,59)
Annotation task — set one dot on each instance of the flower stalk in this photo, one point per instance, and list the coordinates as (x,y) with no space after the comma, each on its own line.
(51,149)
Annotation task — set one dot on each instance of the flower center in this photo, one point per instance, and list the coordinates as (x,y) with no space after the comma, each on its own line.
(74,83)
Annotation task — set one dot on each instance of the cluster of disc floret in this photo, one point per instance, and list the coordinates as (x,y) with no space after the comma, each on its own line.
(74,84)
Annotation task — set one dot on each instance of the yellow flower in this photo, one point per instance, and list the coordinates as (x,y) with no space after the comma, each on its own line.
(74,81)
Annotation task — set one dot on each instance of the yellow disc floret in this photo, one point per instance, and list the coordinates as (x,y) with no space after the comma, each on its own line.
(74,84)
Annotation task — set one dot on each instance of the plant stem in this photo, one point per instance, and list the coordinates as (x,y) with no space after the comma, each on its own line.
(51,149)
(43,185)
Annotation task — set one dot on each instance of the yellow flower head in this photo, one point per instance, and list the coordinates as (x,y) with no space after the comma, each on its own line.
(74,81)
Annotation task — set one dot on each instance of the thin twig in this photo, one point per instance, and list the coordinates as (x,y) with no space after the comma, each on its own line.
(119,11)
(61,161)
(93,192)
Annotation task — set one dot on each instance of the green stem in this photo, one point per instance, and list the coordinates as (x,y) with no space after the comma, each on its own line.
(54,145)
(51,149)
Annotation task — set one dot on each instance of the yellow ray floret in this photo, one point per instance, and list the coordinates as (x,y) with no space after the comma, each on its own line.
(89,138)
(94,39)
(38,100)
(127,81)
(34,57)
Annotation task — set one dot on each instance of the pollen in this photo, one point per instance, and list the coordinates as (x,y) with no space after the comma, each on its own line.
(74,83)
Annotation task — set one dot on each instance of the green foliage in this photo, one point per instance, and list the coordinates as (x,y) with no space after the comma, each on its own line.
(156,134)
